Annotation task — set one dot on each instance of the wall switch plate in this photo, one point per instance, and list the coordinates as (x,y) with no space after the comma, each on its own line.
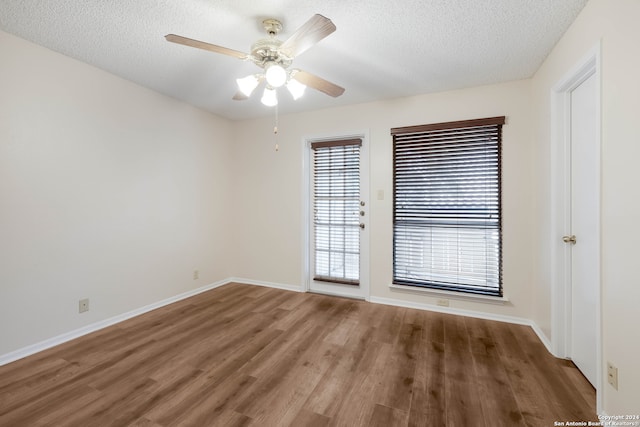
(196,274)
(83,305)
(612,375)
(443,302)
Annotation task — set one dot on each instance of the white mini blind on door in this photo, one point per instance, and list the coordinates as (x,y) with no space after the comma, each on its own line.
(336,209)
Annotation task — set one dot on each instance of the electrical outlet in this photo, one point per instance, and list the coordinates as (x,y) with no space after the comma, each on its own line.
(443,302)
(83,305)
(196,274)
(612,375)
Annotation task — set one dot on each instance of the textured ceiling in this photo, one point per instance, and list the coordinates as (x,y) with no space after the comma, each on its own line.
(380,50)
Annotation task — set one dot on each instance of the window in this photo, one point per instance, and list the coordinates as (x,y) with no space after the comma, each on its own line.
(446,208)
(336,207)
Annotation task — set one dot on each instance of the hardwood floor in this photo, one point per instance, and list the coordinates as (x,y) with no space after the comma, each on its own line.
(242,355)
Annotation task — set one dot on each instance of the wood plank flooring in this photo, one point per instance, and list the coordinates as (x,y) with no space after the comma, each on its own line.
(243,355)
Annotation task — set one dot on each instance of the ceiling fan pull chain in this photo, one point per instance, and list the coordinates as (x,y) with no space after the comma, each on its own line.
(275,129)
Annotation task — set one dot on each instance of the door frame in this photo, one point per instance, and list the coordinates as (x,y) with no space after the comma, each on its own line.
(560,191)
(307,239)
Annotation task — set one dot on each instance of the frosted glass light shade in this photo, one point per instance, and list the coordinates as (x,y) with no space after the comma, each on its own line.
(248,84)
(296,89)
(276,75)
(269,97)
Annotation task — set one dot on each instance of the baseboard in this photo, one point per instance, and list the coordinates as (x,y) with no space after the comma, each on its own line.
(542,336)
(295,288)
(77,333)
(467,313)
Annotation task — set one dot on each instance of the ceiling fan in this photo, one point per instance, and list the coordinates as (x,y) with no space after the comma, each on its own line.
(274,57)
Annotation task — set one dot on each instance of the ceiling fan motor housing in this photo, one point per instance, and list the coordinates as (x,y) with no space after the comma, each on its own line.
(266,50)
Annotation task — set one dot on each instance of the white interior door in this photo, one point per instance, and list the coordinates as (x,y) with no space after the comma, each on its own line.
(584,226)
(338,217)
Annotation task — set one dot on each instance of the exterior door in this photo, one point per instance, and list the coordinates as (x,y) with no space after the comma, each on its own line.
(338,217)
(583,238)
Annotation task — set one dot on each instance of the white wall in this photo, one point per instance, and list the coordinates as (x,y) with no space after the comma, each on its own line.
(615,24)
(268,204)
(108,191)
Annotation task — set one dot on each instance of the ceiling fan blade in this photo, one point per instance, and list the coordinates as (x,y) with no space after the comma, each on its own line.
(206,46)
(318,83)
(239,96)
(314,30)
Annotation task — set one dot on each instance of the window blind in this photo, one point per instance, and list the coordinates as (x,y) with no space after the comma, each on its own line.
(336,199)
(447,206)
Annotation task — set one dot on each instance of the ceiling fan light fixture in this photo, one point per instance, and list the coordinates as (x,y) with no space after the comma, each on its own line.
(248,84)
(269,97)
(275,74)
(296,89)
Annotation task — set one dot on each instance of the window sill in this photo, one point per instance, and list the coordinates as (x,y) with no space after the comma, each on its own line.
(451,295)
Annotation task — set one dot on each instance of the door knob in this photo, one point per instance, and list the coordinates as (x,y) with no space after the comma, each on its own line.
(569,239)
(362,226)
